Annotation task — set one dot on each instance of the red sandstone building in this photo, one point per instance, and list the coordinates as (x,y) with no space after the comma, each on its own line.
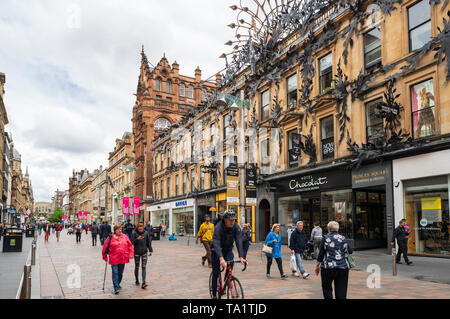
(163,97)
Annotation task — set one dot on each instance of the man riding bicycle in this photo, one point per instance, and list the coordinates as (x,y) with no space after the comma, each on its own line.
(225,232)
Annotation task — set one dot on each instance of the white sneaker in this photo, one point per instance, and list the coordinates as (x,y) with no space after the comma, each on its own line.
(305,275)
(295,274)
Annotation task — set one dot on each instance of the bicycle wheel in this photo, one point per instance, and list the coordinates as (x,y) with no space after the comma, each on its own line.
(234,289)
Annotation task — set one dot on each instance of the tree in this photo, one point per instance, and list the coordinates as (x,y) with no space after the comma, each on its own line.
(56,216)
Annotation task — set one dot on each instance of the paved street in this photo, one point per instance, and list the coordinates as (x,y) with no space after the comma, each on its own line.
(174,271)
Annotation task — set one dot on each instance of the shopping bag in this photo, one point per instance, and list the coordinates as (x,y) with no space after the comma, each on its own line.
(293,263)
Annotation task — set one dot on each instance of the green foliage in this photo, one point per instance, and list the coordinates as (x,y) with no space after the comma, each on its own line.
(56,216)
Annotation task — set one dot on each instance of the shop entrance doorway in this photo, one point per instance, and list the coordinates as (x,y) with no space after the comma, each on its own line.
(264,215)
(310,213)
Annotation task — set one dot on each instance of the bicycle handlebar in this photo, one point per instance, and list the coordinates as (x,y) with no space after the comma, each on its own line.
(235,261)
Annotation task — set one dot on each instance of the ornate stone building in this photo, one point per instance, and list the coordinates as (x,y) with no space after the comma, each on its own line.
(163,96)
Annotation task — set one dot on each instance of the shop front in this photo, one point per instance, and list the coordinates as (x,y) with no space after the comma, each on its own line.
(324,196)
(422,198)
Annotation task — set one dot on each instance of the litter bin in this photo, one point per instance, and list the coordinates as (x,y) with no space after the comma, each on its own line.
(157,233)
(12,241)
(30,232)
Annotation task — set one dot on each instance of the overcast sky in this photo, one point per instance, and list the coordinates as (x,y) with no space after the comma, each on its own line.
(72,68)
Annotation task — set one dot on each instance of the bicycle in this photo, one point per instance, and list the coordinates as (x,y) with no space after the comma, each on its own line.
(232,286)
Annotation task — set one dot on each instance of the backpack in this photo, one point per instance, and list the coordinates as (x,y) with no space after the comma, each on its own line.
(109,245)
(245,235)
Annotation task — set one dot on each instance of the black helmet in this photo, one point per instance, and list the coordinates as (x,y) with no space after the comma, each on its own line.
(230,214)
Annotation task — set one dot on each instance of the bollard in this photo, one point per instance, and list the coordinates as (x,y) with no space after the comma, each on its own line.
(394,264)
(26,282)
(33,253)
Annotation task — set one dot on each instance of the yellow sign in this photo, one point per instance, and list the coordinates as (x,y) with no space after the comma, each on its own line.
(431,203)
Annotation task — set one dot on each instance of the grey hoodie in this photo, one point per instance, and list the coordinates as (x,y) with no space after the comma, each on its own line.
(316,233)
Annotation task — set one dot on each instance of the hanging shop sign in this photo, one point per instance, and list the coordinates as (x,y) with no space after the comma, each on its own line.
(126,205)
(371,175)
(232,185)
(250,187)
(136,204)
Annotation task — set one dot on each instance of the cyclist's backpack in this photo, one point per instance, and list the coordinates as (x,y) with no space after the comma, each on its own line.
(109,245)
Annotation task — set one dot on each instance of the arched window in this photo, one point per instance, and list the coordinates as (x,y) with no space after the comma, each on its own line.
(191,92)
(169,87)
(182,89)
(204,95)
(158,84)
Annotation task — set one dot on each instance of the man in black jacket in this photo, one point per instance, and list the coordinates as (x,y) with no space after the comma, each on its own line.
(142,242)
(105,231)
(401,234)
(297,245)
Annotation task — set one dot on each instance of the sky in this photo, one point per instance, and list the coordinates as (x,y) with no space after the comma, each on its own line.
(72,68)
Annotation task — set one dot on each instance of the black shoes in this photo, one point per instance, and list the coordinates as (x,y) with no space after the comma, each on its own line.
(144,285)
(398,262)
(409,263)
(137,283)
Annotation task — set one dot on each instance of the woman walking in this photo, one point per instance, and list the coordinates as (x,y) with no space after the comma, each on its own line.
(246,238)
(333,263)
(142,242)
(273,240)
(47,230)
(120,250)
(78,231)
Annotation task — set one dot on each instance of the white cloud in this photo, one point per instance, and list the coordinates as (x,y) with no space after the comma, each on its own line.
(69,91)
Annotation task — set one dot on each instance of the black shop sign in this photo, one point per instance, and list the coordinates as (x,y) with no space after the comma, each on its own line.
(315,182)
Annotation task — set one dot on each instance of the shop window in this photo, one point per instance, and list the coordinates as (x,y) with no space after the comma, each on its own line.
(265,105)
(419,25)
(372,49)
(423,111)
(325,73)
(293,148)
(158,85)
(370,218)
(427,215)
(182,90)
(292,91)
(169,87)
(327,137)
(374,124)
(337,206)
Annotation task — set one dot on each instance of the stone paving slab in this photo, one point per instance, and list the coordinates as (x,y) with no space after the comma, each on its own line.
(174,272)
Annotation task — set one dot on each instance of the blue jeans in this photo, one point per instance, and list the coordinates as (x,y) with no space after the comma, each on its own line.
(117,272)
(229,256)
(298,259)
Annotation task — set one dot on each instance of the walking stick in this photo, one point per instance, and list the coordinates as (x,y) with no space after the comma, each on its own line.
(104,277)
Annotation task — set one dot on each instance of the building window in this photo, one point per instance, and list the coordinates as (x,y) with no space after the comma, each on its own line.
(158,85)
(419,25)
(225,165)
(202,179)
(265,153)
(374,124)
(161,193)
(372,49)
(293,148)
(327,137)
(226,125)
(204,95)
(265,105)
(192,180)
(169,87)
(184,183)
(190,91)
(182,90)
(168,187)
(292,91)
(325,73)
(176,185)
(423,113)
(212,132)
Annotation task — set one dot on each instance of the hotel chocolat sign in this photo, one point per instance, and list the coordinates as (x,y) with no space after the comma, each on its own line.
(317,182)
(371,175)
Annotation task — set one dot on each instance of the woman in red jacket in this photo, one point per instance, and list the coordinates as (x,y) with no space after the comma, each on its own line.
(120,252)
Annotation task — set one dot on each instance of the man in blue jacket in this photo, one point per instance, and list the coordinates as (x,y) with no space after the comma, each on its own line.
(297,246)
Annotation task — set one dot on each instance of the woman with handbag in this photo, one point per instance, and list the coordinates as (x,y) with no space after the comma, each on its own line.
(272,248)
(334,263)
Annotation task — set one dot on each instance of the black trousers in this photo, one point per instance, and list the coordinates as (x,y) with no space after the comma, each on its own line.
(94,240)
(340,278)
(279,263)
(78,237)
(402,249)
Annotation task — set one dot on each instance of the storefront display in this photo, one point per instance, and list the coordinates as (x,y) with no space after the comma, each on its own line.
(160,217)
(183,221)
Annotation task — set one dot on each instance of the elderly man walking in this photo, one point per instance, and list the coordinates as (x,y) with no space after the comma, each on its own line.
(297,246)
